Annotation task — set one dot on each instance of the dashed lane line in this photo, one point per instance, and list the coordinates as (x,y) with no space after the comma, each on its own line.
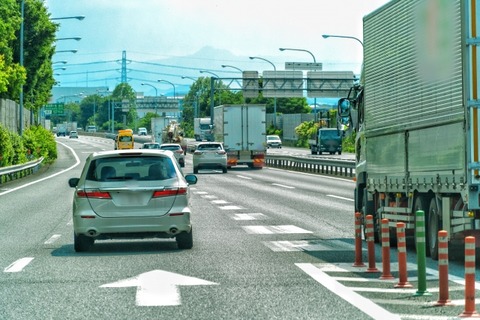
(338,197)
(52,239)
(18,265)
(282,186)
(282,229)
(249,216)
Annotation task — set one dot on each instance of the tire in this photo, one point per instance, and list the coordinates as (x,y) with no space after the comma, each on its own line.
(314,152)
(82,243)
(434,225)
(195,169)
(224,170)
(185,240)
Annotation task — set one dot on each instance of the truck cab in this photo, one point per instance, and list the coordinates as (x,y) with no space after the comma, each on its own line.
(327,140)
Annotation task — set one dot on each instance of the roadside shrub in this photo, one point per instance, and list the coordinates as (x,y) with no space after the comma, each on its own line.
(19,151)
(40,142)
(6,148)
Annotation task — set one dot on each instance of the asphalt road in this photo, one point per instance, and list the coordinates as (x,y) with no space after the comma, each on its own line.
(268,244)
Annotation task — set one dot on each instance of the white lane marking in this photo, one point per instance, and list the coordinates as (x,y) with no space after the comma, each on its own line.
(48,177)
(282,186)
(219,201)
(209,196)
(230,208)
(338,197)
(249,216)
(306,245)
(274,229)
(365,305)
(158,287)
(18,265)
(52,239)
(200,192)
(244,177)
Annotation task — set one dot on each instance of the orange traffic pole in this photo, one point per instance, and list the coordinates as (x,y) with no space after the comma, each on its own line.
(402,257)
(358,241)
(443,269)
(386,275)
(470,279)
(370,245)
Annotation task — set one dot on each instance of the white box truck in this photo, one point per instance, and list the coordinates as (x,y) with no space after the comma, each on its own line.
(416,118)
(202,129)
(242,129)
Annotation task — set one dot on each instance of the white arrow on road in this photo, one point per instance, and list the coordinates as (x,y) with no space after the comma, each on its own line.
(158,287)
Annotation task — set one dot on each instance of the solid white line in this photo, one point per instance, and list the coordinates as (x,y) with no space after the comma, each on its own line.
(48,177)
(365,305)
(282,186)
(18,265)
(343,198)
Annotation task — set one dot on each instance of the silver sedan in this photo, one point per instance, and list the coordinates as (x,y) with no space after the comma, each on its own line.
(131,194)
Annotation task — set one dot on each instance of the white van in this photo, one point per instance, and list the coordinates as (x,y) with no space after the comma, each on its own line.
(91,129)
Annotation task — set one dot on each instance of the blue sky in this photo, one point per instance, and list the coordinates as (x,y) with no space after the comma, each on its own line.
(175,30)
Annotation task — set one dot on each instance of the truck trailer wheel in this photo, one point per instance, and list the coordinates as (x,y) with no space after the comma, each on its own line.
(434,224)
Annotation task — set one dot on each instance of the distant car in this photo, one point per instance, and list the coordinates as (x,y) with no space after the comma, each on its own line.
(91,129)
(73,134)
(142,131)
(274,141)
(209,155)
(151,145)
(177,151)
(132,194)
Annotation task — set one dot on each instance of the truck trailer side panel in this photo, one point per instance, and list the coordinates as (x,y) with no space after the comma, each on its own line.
(418,139)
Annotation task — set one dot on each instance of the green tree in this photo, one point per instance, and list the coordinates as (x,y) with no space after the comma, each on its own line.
(304,131)
(39,40)
(12,75)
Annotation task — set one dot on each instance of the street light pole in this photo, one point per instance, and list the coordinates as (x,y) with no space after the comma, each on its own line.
(293,49)
(174,94)
(72,17)
(22,35)
(325,36)
(275,98)
(156,94)
(233,67)
(193,79)
(314,61)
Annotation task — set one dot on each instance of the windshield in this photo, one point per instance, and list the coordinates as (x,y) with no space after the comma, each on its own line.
(131,168)
(329,134)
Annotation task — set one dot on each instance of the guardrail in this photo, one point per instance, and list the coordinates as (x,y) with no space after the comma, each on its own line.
(19,171)
(344,168)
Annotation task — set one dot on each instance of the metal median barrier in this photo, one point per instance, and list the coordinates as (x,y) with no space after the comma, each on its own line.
(345,168)
(19,171)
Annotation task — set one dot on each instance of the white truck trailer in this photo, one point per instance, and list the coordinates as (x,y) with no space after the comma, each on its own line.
(416,118)
(242,129)
(202,129)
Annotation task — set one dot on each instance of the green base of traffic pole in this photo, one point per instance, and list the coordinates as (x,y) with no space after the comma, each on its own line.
(421,255)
